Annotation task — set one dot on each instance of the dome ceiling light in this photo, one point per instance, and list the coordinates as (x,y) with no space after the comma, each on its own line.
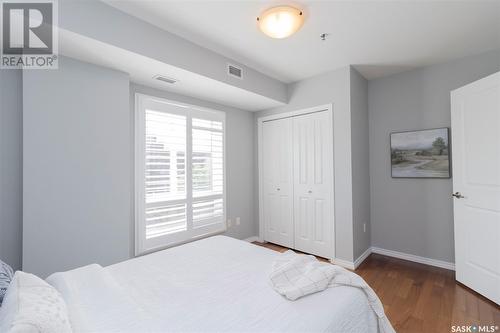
(281,21)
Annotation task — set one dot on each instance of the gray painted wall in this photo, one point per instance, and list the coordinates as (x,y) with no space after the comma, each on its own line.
(332,87)
(77,172)
(415,216)
(412,216)
(128,32)
(11,117)
(360,163)
(239,159)
(239,146)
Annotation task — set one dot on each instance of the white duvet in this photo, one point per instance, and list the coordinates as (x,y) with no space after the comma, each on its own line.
(218,284)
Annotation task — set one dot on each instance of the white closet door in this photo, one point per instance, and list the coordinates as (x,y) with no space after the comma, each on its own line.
(278,181)
(313,172)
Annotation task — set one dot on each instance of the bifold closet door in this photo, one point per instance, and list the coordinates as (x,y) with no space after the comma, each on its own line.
(313,173)
(277,181)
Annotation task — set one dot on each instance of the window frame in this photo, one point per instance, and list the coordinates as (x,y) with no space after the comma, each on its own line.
(189,111)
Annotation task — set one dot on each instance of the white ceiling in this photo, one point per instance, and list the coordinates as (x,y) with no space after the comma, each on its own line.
(378,37)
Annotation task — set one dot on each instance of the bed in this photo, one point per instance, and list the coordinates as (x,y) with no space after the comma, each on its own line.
(218,284)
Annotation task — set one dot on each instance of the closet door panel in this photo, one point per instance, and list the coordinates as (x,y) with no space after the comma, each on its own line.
(301,218)
(312,151)
(278,182)
(320,227)
(302,135)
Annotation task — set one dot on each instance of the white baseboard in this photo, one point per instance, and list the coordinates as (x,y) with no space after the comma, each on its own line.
(395,254)
(362,257)
(344,263)
(352,265)
(251,239)
(414,258)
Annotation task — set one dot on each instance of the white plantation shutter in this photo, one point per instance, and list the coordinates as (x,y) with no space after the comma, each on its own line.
(165,174)
(207,172)
(179,173)
(207,212)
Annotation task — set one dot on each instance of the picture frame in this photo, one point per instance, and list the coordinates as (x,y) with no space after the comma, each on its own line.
(420,153)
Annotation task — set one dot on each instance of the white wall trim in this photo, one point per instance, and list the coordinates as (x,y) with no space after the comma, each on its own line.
(142,101)
(393,254)
(344,263)
(362,257)
(251,239)
(289,114)
(414,258)
(389,253)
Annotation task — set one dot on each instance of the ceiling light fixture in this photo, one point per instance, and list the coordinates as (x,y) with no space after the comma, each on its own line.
(281,21)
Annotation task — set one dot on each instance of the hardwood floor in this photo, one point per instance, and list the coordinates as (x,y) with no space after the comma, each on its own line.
(421,298)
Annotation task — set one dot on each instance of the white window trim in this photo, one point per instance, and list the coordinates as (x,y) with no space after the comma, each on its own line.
(139,174)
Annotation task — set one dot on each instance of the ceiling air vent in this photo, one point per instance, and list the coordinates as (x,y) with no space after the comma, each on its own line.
(234,71)
(164,79)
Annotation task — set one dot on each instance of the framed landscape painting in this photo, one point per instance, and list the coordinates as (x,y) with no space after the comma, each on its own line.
(420,154)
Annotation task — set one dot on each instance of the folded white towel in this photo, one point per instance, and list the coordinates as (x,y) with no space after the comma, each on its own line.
(297,275)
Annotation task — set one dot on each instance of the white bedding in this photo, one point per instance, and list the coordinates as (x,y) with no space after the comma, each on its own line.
(218,284)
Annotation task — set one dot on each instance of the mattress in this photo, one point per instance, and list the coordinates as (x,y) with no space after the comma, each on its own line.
(218,284)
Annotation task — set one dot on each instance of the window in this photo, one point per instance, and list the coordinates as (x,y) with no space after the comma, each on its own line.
(179,173)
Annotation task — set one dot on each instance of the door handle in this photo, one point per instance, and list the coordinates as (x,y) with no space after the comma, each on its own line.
(278,189)
(457,195)
(309,191)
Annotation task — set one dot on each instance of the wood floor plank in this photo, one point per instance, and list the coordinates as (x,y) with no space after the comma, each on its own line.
(405,287)
(420,298)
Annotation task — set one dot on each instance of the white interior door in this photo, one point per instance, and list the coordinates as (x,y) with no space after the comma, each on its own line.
(277,181)
(313,173)
(475,121)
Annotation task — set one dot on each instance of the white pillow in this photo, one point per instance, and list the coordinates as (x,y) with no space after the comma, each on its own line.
(32,305)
